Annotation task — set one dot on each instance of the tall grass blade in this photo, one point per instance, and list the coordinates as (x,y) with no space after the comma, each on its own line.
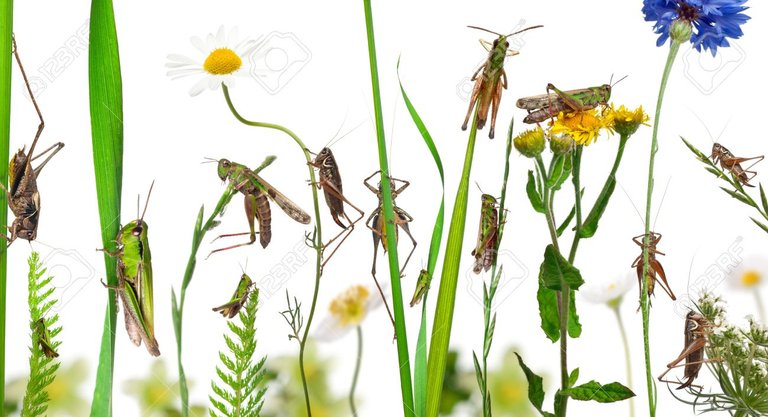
(6,28)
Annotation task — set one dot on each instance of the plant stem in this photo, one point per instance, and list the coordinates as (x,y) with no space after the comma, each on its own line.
(644,301)
(404,366)
(577,189)
(357,371)
(627,358)
(6,28)
(317,236)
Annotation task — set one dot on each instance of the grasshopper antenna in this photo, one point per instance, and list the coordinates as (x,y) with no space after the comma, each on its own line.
(523,30)
(209,160)
(146,203)
(663,196)
(709,133)
(484,30)
(617,81)
(478,187)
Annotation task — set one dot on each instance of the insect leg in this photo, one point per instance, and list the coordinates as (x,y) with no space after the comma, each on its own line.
(55,148)
(41,126)
(473,98)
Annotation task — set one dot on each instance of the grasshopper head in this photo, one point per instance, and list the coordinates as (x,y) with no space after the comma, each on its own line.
(717,150)
(323,156)
(488,199)
(224,167)
(136,229)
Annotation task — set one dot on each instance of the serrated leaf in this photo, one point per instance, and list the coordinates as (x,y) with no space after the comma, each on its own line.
(594,391)
(556,270)
(535,387)
(533,195)
(550,321)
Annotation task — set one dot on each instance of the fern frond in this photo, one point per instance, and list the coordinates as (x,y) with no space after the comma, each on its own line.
(42,361)
(236,394)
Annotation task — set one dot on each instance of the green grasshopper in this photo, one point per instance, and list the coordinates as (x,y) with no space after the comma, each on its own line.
(546,106)
(488,85)
(23,195)
(233,306)
(256,191)
(44,339)
(422,285)
(487,234)
(134,281)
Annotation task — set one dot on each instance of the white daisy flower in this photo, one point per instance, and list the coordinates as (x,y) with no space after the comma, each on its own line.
(347,311)
(224,58)
(750,273)
(609,291)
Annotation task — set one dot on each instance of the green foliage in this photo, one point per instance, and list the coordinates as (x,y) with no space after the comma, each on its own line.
(42,368)
(594,391)
(6,29)
(240,393)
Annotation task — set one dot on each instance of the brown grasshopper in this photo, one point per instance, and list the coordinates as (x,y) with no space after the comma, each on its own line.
(654,267)
(697,328)
(330,182)
(23,195)
(733,164)
(375,222)
(487,234)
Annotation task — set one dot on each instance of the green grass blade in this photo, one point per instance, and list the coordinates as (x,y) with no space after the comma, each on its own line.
(394,265)
(446,298)
(106,102)
(6,28)
(420,360)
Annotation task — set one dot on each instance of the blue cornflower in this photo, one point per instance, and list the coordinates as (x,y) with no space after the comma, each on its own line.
(712,20)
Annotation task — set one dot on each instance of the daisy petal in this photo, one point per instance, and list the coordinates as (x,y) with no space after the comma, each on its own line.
(200,45)
(199,87)
(181,59)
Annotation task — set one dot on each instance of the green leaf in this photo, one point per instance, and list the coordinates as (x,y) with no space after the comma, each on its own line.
(106,105)
(763,199)
(566,172)
(550,321)
(737,195)
(6,62)
(535,387)
(533,195)
(573,377)
(556,270)
(593,391)
(695,151)
(589,227)
(762,225)
(557,169)
(574,327)
(420,359)
(567,221)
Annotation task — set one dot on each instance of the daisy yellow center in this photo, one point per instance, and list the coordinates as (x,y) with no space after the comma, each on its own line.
(349,307)
(222,61)
(750,278)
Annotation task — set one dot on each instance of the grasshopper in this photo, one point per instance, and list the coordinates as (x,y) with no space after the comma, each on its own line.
(375,222)
(23,195)
(422,285)
(233,306)
(330,182)
(733,163)
(546,106)
(487,90)
(256,191)
(697,328)
(134,280)
(44,339)
(655,269)
(487,234)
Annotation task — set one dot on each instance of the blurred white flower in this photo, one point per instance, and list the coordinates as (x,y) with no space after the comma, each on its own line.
(347,311)
(609,291)
(223,58)
(750,273)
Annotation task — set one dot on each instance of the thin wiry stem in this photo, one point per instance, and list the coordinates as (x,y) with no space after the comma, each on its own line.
(356,374)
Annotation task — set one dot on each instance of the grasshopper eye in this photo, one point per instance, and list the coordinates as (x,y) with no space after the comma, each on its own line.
(137,230)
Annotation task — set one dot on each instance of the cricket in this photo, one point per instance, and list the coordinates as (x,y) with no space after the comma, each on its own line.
(375,222)
(134,280)
(547,106)
(487,234)
(733,163)
(44,339)
(23,195)
(655,270)
(330,182)
(696,330)
(239,298)
(490,79)
(256,192)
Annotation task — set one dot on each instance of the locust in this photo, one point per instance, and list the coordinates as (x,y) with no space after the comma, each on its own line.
(697,328)
(239,298)
(655,270)
(733,163)
(422,286)
(22,193)
(44,339)
(487,234)
(375,222)
(134,280)
(546,106)
(256,192)
(490,79)
(330,182)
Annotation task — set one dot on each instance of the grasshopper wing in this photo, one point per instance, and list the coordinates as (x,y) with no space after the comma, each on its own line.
(289,207)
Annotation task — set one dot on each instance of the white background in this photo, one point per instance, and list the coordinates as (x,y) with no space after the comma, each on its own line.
(167,134)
